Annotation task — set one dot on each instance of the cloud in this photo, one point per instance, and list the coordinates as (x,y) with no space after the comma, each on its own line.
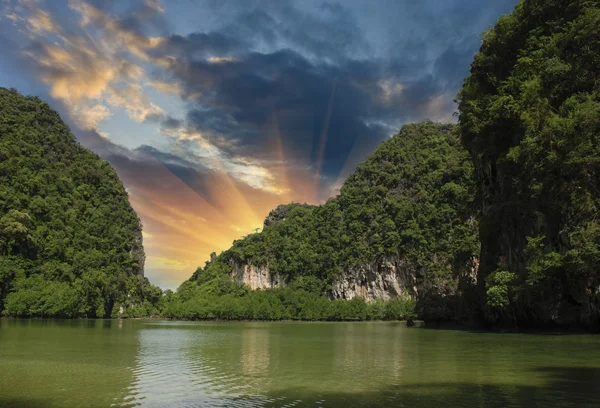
(318,73)
(131,97)
(40,21)
(154,5)
(220,60)
(312,69)
(88,117)
(246,105)
(166,87)
(91,74)
(115,33)
(190,149)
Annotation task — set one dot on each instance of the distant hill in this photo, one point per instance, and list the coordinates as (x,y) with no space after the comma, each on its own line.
(402,228)
(508,237)
(70,243)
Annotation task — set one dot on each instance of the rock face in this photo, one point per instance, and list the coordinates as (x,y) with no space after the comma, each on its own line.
(396,278)
(256,277)
(387,279)
(538,179)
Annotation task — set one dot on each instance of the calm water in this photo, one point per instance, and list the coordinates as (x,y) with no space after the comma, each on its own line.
(174,364)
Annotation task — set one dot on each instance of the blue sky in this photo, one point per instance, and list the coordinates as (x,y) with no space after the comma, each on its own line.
(215,111)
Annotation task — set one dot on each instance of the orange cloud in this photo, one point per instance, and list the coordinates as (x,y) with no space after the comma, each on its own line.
(182,225)
(132,98)
(103,69)
(166,87)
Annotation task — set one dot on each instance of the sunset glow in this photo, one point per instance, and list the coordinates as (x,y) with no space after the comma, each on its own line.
(213,113)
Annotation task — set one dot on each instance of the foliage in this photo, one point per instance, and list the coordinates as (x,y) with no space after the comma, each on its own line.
(530,116)
(70,244)
(412,198)
(499,288)
(220,298)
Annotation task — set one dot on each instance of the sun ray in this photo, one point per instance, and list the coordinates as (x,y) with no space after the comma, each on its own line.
(276,142)
(182,225)
(226,195)
(323,137)
(357,153)
(180,184)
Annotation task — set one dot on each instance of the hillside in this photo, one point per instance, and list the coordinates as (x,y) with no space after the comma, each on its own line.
(530,116)
(70,243)
(401,229)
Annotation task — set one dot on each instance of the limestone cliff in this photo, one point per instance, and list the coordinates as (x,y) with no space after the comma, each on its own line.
(256,277)
(402,226)
(387,278)
(384,279)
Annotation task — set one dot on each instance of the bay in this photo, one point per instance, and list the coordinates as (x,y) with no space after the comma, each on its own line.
(136,363)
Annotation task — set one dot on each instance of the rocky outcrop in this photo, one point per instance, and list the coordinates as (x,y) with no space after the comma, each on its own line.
(256,277)
(562,298)
(386,279)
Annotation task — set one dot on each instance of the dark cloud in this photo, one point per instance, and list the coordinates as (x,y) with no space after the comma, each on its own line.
(320,74)
(171,123)
(191,173)
(138,16)
(328,77)
(201,45)
(281,98)
(452,65)
(311,101)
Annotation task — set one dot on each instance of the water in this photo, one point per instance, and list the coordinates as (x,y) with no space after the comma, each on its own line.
(119,363)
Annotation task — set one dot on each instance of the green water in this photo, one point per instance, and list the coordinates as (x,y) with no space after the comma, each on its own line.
(178,364)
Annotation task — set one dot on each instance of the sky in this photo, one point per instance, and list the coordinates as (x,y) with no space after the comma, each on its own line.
(213,112)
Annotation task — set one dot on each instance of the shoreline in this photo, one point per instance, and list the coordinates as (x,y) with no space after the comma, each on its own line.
(418,324)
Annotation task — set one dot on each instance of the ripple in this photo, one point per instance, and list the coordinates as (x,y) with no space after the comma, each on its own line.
(139,364)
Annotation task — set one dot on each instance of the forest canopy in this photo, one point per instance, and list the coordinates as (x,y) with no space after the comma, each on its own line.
(412,199)
(530,116)
(495,218)
(70,243)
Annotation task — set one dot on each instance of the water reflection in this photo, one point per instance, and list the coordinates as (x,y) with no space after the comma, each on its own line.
(370,351)
(63,363)
(91,363)
(255,356)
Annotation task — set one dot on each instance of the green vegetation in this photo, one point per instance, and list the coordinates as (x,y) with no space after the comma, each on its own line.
(70,244)
(224,299)
(412,199)
(530,116)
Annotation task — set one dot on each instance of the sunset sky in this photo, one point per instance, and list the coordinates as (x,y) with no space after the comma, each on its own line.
(213,112)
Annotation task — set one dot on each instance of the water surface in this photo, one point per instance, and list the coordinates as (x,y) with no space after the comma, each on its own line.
(103,363)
